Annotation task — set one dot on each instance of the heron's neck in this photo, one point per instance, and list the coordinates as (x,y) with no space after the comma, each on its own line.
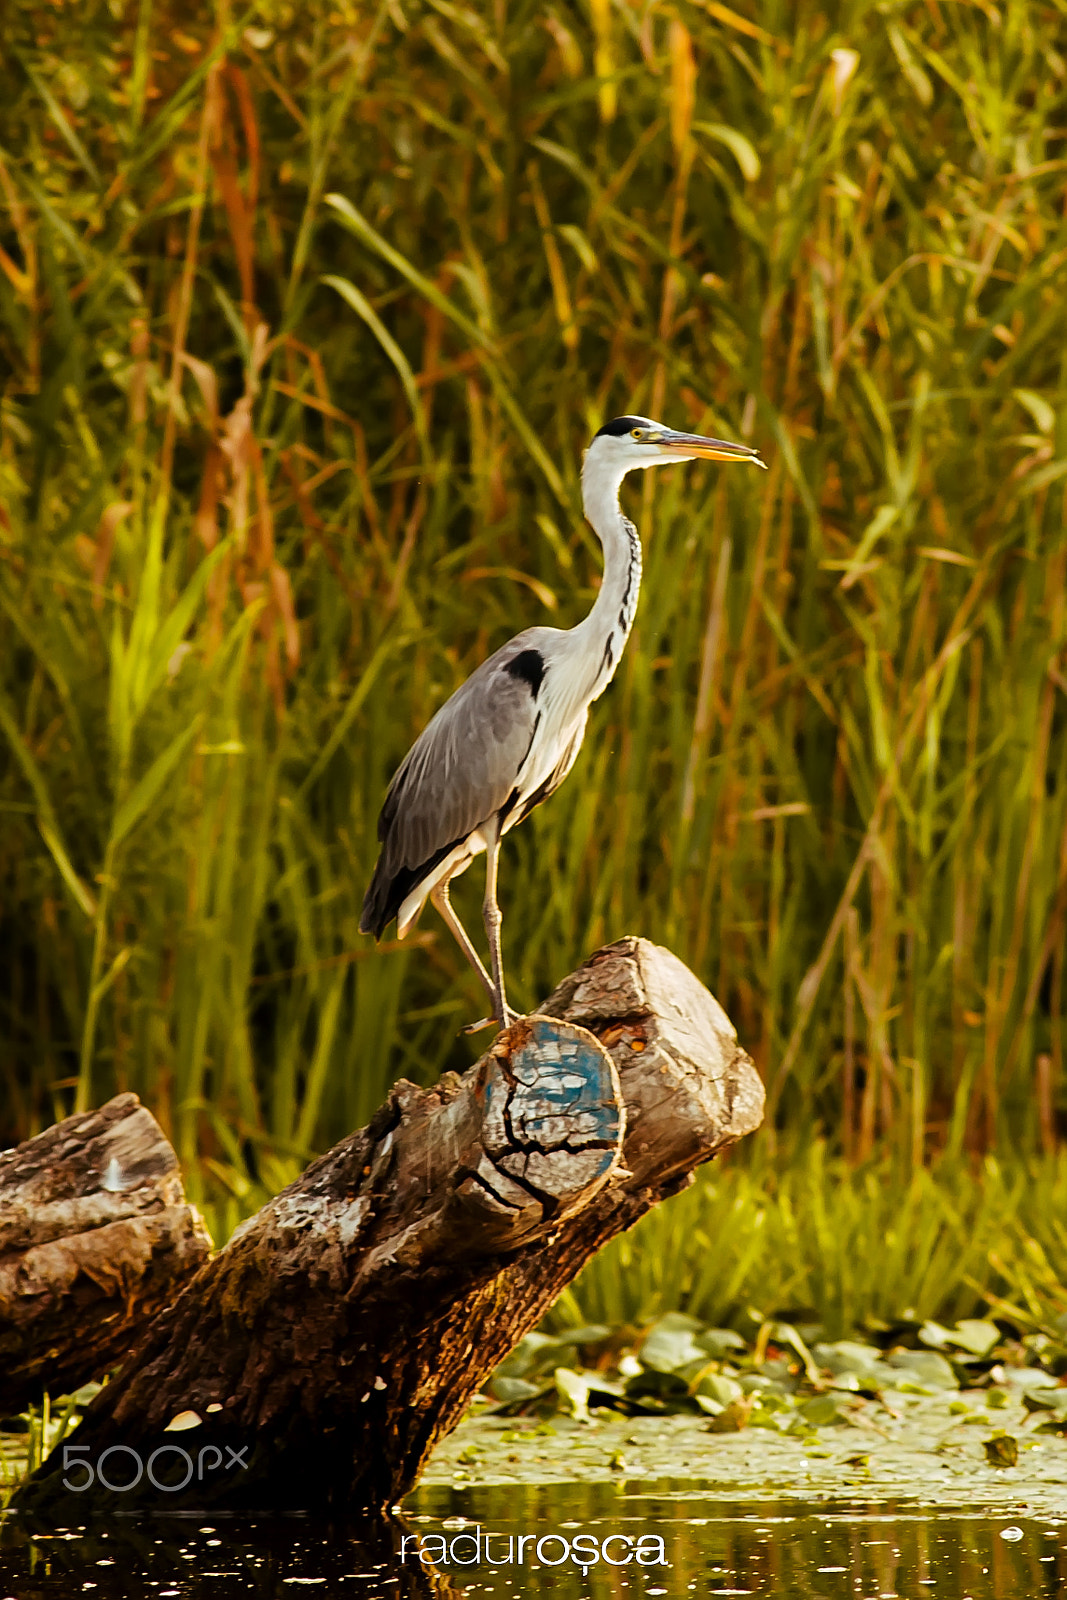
(601,637)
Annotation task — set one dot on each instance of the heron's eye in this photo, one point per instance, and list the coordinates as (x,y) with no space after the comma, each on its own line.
(636,433)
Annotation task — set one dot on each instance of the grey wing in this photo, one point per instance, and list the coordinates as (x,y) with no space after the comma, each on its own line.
(462,768)
(458,774)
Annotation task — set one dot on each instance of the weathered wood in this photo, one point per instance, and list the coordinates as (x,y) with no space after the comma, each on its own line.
(95,1239)
(317,1359)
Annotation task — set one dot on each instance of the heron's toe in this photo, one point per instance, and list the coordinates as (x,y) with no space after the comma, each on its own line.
(491,1022)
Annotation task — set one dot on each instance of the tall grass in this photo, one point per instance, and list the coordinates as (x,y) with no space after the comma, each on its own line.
(305,313)
(847,1247)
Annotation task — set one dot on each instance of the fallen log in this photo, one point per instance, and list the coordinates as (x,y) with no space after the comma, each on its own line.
(95,1239)
(317,1359)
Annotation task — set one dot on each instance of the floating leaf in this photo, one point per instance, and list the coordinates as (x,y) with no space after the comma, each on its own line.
(855,1366)
(821,1412)
(526,1353)
(760,1384)
(925,1368)
(573,1392)
(1047,1400)
(660,1385)
(975,1335)
(720,1342)
(670,1344)
(734,1417)
(1002,1450)
(508,1390)
(723,1391)
(592,1333)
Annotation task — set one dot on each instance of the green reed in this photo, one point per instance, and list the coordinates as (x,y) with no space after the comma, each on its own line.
(305,314)
(847,1247)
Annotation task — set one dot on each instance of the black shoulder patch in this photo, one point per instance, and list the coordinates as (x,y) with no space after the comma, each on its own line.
(529,667)
(622,425)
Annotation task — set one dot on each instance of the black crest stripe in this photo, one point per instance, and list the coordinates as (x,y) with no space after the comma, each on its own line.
(622,425)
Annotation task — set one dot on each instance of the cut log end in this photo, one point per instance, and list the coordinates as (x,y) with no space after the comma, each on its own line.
(95,1240)
(552,1128)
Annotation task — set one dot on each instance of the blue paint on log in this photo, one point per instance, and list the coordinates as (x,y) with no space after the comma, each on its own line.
(560,1104)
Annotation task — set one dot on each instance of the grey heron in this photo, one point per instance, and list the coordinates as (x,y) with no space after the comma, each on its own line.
(509,735)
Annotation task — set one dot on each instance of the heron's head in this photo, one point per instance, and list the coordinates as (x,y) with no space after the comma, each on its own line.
(631,442)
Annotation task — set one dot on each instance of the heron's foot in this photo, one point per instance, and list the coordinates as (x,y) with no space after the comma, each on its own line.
(491,1022)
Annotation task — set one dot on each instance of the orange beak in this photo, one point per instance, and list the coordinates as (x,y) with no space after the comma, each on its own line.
(694,444)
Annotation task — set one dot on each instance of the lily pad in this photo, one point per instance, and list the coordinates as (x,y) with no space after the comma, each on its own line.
(1044,1399)
(573,1390)
(758,1382)
(762,1416)
(785,1333)
(821,1412)
(975,1335)
(536,1350)
(723,1390)
(591,1333)
(855,1367)
(734,1417)
(670,1343)
(509,1390)
(850,1383)
(1028,1378)
(1002,1450)
(721,1342)
(577,1390)
(773,1401)
(928,1371)
(847,1355)
(662,1386)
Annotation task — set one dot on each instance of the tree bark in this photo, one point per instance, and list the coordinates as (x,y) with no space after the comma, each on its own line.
(318,1358)
(95,1239)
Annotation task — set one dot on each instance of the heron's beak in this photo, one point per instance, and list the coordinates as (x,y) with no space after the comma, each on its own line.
(693,444)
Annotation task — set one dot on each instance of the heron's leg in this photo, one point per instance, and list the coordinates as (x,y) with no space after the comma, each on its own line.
(439,897)
(492,919)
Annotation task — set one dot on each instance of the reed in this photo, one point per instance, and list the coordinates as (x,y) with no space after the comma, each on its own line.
(853,1249)
(305,313)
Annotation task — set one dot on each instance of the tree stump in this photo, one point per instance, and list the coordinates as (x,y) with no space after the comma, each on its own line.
(317,1359)
(95,1239)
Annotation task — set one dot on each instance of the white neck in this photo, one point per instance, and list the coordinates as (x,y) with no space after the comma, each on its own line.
(599,640)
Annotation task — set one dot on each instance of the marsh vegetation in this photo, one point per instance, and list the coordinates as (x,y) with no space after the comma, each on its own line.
(305,313)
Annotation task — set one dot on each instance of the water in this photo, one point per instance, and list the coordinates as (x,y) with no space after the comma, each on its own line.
(662,1539)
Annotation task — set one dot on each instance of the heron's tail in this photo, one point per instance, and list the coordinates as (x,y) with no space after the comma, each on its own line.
(391,885)
(379,907)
